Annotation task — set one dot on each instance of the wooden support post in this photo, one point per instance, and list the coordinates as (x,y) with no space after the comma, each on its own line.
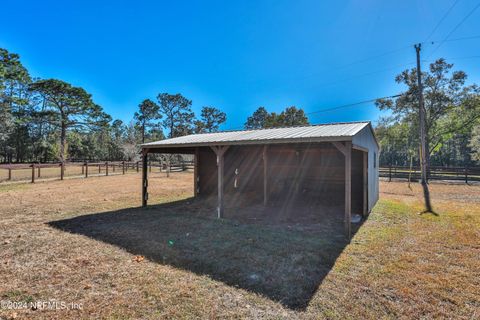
(390,173)
(144,178)
(196,190)
(38,172)
(106,168)
(365,184)
(123,167)
(86,169)
(62,170)
(348,189)
(220,152)
(265,175)
(346,149)
(33,173)
(99,169)
(220,165)
(137,166)
(83,168)
(113,166)
(9,174)
(466,175)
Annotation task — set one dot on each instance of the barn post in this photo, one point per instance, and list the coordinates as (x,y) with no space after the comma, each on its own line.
(348,189)
(265,175)
(144,177)
(220,152)
(168,166)
(365,184)
(346,149)
(195,173)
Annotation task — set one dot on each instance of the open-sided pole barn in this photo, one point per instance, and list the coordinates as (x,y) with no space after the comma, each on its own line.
(327,163)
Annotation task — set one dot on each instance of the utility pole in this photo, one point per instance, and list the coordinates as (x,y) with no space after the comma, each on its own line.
(423,140)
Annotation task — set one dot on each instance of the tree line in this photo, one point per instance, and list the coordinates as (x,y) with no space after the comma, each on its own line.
(51,120)
(44,120)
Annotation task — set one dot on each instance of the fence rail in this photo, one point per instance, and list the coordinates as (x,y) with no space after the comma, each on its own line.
(465,174)
(33,171)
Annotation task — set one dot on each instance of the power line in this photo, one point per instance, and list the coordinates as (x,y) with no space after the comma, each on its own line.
(441,20)
(460,39)
(463,58)
(446,39)
(454,29)
(352,104)
(330,83)
(374,57)
(346,66)
(334,108)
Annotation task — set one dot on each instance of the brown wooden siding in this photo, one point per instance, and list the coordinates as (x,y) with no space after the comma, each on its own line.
(310,173)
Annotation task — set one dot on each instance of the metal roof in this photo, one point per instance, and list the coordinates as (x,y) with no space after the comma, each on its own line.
(314,133)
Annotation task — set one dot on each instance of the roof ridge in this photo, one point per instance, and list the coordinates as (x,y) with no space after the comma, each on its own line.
(284,127)
(263,129)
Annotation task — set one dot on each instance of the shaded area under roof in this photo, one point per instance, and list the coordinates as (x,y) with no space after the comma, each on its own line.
(314,133)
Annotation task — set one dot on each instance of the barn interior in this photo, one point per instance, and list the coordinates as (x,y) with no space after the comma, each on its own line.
(301,183)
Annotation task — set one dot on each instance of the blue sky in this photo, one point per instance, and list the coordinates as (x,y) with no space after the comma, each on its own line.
(238,55)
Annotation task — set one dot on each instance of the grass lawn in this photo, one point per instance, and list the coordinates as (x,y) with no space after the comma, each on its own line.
(87,242)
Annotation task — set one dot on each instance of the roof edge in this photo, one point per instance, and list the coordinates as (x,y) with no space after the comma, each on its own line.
(250,142)
(250,130)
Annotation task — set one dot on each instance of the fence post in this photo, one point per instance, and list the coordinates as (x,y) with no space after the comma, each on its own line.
(113,166)
(106,168)
(86,169)
(62,170)
(9,174)
(150,166)
(99,169)
(83,168)
(466,174)
(137,165)
(38,173)
(123,167)
(33,173)
(390,173)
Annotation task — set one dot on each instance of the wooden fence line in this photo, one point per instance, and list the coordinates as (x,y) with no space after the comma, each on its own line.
(126,166)
(466,174)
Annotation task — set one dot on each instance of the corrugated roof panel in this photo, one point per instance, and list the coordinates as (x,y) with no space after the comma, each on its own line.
(306,133)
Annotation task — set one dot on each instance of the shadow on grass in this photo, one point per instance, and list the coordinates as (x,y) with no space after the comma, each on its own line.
(284,264)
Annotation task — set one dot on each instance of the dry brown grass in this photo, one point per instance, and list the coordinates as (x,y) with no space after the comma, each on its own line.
(399,265)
